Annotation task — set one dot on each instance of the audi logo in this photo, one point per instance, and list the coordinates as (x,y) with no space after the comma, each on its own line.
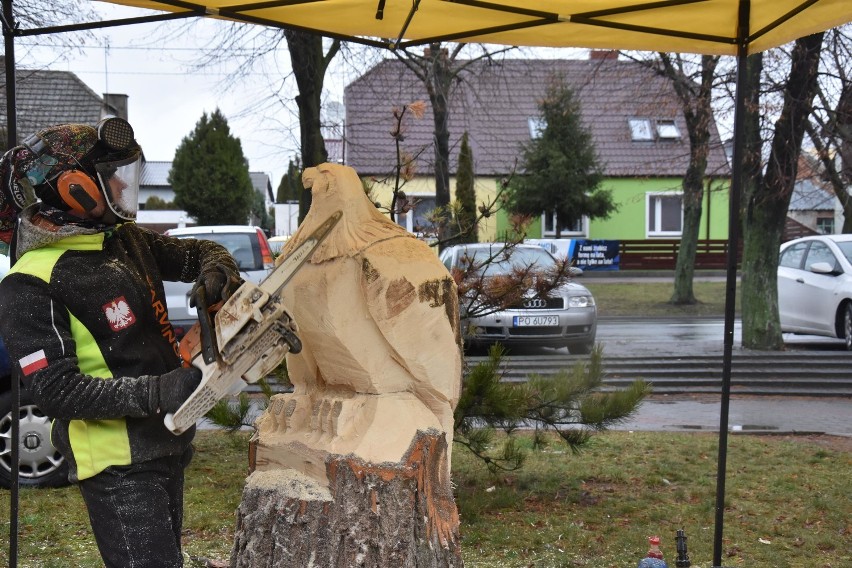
(535,303)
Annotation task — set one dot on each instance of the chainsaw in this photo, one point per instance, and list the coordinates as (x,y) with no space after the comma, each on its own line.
(246,339)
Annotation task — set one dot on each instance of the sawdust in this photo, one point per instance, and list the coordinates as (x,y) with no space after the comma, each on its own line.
(291,483)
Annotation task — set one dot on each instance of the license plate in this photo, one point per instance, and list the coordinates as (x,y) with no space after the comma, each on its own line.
(538,321)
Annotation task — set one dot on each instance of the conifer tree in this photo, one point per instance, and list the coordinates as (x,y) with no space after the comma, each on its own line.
(290,187)
(561,169)
(210,174)
(466,195)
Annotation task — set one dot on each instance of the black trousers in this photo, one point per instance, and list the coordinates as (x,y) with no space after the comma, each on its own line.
(136,512)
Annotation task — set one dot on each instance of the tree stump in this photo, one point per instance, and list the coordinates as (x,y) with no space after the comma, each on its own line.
(372,515)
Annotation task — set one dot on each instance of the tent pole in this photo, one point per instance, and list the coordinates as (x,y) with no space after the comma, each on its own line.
(731,286)
(12,140)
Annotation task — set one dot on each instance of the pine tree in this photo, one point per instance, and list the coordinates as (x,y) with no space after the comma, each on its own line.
(210,174)
(290,187)
(466,195)
(561,169)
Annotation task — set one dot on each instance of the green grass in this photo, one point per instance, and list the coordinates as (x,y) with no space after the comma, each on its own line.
(652,299)
(787,504)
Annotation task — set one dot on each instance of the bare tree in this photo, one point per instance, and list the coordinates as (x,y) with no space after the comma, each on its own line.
(766,194)
(830,126)
(439,67)
(693,81)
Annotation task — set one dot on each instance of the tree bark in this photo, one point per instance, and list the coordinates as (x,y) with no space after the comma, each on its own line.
(309,66)
(768,200)
(698,114)
(440,78)
(384,515)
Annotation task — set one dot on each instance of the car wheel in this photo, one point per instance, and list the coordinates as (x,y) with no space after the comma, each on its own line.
(847,326)
(40,464)
(580,348)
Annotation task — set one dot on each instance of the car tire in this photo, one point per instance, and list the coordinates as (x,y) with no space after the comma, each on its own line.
(580,348)
(847,326)
(40,465)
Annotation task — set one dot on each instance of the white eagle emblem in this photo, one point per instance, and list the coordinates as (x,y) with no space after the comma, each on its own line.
(118,314)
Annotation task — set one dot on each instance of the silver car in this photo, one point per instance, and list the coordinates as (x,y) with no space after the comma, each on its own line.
(247,244)
(815,286)
(567,317)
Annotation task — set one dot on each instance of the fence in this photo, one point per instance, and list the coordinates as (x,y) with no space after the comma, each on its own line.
(661,254)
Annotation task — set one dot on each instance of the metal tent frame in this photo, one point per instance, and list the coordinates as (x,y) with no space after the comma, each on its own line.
(657,25)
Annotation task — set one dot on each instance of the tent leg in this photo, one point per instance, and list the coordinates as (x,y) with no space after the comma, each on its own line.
(731,286)
(11,136)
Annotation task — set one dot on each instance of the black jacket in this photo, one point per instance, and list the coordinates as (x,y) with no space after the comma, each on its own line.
(84,319)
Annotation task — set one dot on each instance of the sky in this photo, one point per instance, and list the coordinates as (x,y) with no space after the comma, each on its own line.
(168,94)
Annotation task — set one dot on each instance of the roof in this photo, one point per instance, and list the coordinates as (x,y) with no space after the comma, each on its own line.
(155,173)
(494,102)
(807,196)
(45,98)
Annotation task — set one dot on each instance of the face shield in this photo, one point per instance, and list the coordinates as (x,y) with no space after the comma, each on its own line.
(120,182)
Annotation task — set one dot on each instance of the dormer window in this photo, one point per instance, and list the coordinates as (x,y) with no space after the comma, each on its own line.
(640,129)
(667,130)
(537,126)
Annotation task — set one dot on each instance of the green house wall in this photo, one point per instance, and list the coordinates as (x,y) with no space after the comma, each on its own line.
(629,221)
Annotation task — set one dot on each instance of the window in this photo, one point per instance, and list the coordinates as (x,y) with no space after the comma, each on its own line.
(667,130)
(792,256)
(665,214)
(819,252)
(640,129)
(537,126)
(548,224)
(416,220)
(825,225)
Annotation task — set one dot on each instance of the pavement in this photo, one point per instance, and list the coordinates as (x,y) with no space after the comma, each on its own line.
(746,415)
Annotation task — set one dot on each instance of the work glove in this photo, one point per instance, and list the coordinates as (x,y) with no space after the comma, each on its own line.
(218,284)
(168,391)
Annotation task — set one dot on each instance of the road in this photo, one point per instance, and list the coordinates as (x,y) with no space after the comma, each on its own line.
(676,336)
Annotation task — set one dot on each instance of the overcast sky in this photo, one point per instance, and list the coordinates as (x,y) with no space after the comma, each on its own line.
(167,97)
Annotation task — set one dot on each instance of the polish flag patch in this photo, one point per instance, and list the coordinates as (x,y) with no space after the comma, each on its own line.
(118,314)
(33,362)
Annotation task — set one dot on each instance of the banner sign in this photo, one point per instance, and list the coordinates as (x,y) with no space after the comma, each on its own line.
(588,254)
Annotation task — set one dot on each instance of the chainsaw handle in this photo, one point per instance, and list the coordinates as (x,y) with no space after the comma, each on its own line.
(202,335)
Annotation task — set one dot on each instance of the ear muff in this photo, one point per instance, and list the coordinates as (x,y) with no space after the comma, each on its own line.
(79,191)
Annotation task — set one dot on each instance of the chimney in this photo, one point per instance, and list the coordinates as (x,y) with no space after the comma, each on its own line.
(601,54)
(115,105)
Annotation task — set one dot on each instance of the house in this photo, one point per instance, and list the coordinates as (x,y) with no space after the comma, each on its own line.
(45,97)
(815,207)
(155,183)
(634,116)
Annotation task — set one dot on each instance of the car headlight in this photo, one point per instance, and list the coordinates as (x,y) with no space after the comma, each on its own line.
(581,302)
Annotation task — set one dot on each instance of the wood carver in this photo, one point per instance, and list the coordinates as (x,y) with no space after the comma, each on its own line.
(353,467)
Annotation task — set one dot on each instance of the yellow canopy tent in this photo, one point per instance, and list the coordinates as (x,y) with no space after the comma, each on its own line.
(686,26)
(723,27)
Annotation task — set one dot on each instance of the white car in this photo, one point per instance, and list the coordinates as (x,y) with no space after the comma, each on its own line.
(815,286)
(247,244)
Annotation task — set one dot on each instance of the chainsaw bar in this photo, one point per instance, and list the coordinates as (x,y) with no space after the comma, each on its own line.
(254,333)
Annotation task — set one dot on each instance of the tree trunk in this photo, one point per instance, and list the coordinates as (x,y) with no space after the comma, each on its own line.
(438,86)
(371,515)
(769,199)
(698,115)
(309,65)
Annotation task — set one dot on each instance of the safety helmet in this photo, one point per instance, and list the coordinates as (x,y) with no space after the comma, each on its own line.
(85,170)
